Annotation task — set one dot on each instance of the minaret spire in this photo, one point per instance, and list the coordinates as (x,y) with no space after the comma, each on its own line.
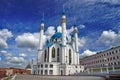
(40,49)
(64,41)
(63,27)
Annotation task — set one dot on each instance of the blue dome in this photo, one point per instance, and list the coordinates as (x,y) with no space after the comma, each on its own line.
(57,35)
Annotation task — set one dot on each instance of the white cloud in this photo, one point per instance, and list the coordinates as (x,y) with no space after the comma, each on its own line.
(111,1)
(7,55)
(87,53)
(108,37)
(81,42)
(81,26)
(27,40)
(4,35)
(17,60)
(50,31)
(0,59)
(30,50)
(22,55)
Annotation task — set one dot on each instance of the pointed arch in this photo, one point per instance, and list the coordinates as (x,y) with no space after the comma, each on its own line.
(70,58)
(45,55)
(53,52)
(58,53)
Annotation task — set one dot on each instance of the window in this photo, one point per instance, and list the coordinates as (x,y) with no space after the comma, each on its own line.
(116,51)
(53,52)
(41,66)
(45,56)
(115,63)
(41,72)
(112,52)
(46,65)
(51,72)
(51,65)
(46,72)
(108,59)
(58,55)
(75,66)
(69,56)
(113,58)
(38,66)
(118,63)
(117,57)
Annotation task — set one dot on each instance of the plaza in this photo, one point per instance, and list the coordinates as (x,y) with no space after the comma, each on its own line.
(36,77)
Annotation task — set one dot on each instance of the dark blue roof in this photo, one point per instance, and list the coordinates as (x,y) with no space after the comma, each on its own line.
(49,44)
(56,35)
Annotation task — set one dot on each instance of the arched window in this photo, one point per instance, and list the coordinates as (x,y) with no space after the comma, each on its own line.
(70,56)
(45,56)
(58,55)
(53,52)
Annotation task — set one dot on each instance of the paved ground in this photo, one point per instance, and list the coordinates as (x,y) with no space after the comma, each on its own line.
(37,77)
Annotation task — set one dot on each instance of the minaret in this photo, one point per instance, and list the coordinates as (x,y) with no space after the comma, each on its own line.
(76,44)
(64,33)
(40,49)
(63,28)
(76,37)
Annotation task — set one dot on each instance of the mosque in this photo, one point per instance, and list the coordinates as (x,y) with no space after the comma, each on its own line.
(58,56)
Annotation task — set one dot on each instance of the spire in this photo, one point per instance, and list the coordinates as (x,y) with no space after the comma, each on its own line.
(75,23)
(63,10)
(42,23)
(43,18)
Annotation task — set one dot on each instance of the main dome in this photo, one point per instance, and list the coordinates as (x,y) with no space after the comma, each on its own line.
(56,35)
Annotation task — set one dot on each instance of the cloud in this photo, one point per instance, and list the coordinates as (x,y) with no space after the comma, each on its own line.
(0,58)
(87,53)
(49,32)
(107,37)
(4,35)
(17,60)
(81,26)
(7,55)
(27,40)
(81,42)
(30,50)
(113,2)
(22,55)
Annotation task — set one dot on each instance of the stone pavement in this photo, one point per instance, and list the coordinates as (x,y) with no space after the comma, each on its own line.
(37,77)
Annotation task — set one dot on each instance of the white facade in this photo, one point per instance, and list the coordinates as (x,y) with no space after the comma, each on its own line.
(58,56)
(110,58)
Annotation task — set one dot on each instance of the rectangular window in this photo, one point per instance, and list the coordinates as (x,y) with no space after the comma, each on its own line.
(46,66)
(51,72)
(46,72)
(41,72)
(41,66)
(51,65)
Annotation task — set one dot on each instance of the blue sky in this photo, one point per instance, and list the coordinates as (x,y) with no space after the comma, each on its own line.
(98,24)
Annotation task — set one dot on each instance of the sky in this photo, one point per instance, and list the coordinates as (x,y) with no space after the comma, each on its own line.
(98,23)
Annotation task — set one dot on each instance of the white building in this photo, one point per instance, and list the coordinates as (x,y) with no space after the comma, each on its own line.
(109,58)
(58,56)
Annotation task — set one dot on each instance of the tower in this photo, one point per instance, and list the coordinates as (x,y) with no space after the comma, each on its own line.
(76,37)
(76,43)
(64,33)
(63,28)
(40,48)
